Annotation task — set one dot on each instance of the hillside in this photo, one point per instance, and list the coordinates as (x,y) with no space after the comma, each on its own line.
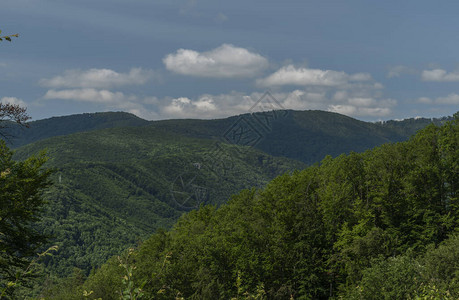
(114,187)
(375,225)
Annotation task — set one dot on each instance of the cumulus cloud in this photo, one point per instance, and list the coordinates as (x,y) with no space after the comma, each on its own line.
(98,78)
(208,106)
(13,100)
(226,61)
(439,75)
(185,107)
(224,105)
(291,75)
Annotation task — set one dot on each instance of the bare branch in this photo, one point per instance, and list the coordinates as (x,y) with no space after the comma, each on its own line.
(12,113)
(8,37)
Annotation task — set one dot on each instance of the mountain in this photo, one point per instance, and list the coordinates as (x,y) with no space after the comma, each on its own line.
(381,224)
(114,187)
(57,126)
(119,178)
(307,136)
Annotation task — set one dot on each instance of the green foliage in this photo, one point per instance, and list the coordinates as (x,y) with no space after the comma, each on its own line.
(22,184)
(113,187)
(391,278)
(130,292)
(375,225)
(12,286)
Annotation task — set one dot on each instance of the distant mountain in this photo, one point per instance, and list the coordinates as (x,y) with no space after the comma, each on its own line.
(57,126)
(408,127)
(302,135)
(307,136)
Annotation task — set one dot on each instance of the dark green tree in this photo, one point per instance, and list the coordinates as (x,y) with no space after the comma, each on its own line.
(21,198)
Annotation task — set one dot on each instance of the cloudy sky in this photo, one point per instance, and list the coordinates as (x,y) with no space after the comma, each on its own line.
(372,60)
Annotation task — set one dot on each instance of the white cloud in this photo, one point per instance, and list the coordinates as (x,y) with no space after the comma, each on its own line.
(217,106)
(86,95)
(13,100)
(290,75)
(226,61)
(98,78)
(302,100)
(439,75)
(203,107)
(357,99)
(185,107)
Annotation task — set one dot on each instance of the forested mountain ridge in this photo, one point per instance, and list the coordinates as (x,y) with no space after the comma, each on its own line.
(302,135)
(114,187)
(382,224)
(57,126)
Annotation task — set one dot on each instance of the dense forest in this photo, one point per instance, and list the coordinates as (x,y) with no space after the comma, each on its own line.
(375,225)
(370,225)
(114,187)
(117,177)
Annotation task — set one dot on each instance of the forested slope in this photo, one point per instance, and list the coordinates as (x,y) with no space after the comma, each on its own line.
(56,126)
(114,187)
(307,136)
(302,135)
(375,225)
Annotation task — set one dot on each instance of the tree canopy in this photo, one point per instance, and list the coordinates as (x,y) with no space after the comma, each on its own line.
(375,225)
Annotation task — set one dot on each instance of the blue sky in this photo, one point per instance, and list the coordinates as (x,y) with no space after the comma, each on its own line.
(372,60)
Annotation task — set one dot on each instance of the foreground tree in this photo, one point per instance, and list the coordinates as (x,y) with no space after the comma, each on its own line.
(21,199)
(21,188)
